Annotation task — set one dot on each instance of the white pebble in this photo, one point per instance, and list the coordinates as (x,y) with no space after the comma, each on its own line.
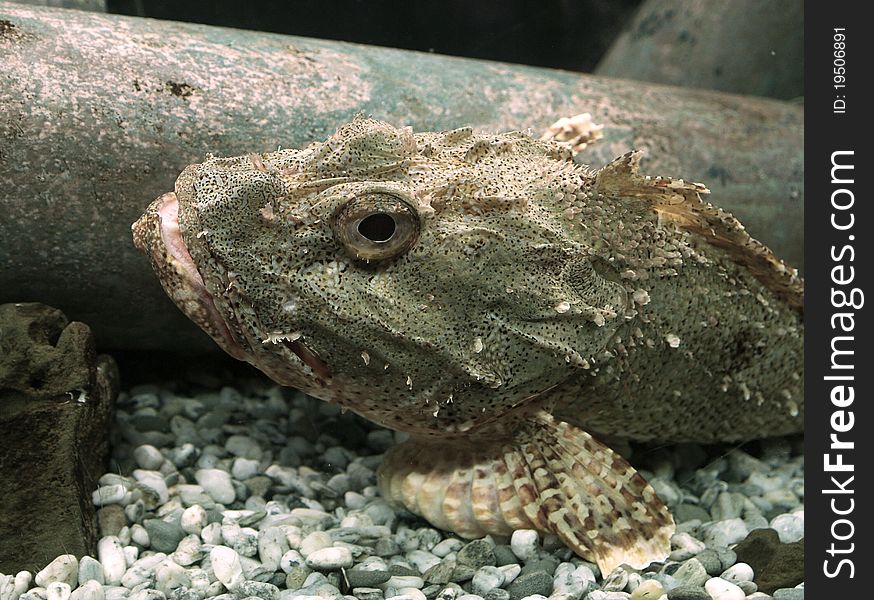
(314,542)
(217,484)
(139,535)
(523,543)
(90,590)
(738,572)
(115,592)
(58,590)
(684,546)
(486,579)
(329,559)
(142,570)
(290,560)
(170,576)
(131,554)
(511,572)
(146,594)
(111,494)
(446,547)
(227,567)
(188,551)
(111,555)
(720,589)
(64,568)
(148,457)
(410,594)
(193,519)
(422,560)
(790,527)
(20,583)
(212,534)
(272,545)
(244,468)
(155,482)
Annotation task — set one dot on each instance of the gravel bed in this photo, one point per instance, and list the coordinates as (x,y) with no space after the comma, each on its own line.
(256,491)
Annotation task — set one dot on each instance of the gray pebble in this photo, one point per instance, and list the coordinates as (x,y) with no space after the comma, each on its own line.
(789,594)
(728,505)
(366,593)
(163,536)
(497,594)
(366,579)
(692,573)
(710,561)
(685,592)
(90,569)
(476,554)
(546,564)
(296,577)
(748,587)
(725,533)
(690,512)
(462,573)
(538,582)
(441,573)
(258,589)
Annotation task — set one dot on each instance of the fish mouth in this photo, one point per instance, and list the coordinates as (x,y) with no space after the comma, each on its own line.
(157,234)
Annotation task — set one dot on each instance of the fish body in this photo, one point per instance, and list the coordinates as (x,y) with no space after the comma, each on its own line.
(498,302)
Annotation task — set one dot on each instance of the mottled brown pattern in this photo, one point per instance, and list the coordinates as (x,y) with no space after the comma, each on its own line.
(489,296)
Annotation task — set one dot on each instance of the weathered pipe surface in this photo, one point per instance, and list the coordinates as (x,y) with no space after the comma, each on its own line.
(742,46)
(99,113)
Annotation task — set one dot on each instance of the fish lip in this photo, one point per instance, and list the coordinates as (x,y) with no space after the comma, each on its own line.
(169,245)
(166,215)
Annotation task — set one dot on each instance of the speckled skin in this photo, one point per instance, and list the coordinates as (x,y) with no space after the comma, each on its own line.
(514,283)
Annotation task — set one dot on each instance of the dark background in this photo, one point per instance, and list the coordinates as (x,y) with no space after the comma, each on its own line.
(564,34)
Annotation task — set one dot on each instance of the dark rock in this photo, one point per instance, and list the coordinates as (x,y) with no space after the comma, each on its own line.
(504,556)
(476,554)
(163,536)
(56,398)
(776,565)
(110,519)
(403,571)
(366,579)
(497,594)
(538,582)
(462,573)
(547,564)
(440,573)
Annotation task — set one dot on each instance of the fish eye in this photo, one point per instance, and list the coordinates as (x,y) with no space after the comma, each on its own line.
(376,226)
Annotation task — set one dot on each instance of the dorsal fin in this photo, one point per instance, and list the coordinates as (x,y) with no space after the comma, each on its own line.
(679,202)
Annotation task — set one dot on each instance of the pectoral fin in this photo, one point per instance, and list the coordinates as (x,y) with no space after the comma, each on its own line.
(550,476)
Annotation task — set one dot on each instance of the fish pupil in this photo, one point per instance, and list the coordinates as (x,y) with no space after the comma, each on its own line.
(378,227)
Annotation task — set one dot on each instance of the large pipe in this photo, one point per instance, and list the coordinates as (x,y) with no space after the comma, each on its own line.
(99,113)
